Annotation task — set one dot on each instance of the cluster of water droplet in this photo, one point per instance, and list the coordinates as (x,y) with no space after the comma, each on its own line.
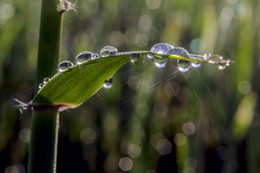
(159,53)
(183,65)
(217,59)
(45,81)
(84,57)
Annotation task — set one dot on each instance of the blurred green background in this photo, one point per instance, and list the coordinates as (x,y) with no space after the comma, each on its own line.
(152,120)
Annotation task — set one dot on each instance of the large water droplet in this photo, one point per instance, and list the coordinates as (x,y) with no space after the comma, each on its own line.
(214,59)
(108,51)
(160,48)
(64,65)
(195,64)
(180,52)
(183,65)
(108,83)
(160,62)
(84,56)
(134,57)
(46,80)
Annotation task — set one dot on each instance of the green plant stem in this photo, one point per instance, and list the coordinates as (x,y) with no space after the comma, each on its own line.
(45,123)
(43,144)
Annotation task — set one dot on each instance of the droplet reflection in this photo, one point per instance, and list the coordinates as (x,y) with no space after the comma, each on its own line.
(84,56)
(160,62)
(64,65)
(108,51)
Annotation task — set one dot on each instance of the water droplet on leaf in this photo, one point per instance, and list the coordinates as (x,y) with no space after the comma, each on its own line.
(160,62)
(179,51)
(108,51)
(206,56)
(40,86)
(195,64)
(46,80)
(160,48)
(64,65)
(222,67)
(96,55)
(183,65)
(134,57)
(84,56)
(214,59)
(108,83)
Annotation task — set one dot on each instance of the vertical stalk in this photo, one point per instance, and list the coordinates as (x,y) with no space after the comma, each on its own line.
(45,124)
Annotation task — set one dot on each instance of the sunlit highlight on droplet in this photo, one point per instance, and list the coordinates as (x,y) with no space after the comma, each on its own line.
(108,83)
(195,64)
(183,65)
(134,57)
(160,62)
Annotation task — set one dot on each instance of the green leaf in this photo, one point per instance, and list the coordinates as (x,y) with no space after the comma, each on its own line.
(75,85)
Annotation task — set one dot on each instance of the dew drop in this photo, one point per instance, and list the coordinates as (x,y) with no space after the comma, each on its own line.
(108,51)
(179,51)
(40,86)
(195,64)
(214,59)
(64,65)
(222,67)
(160,48)
(228,62)
(108,83)
(96,55)
(134,57)
(46,80)
(160,62)
(206,56)
(84,56)
(183,65)
(150,56)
